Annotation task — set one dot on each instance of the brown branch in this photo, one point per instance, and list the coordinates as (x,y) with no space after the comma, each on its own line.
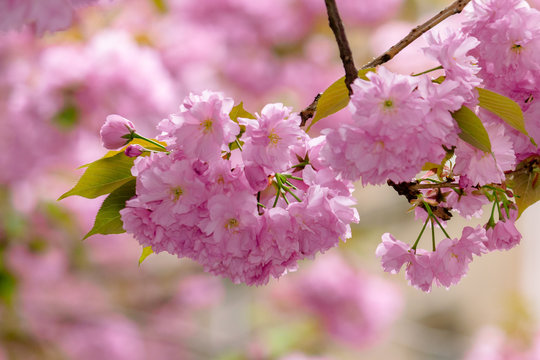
(345,53)
(455,8)
(433,186)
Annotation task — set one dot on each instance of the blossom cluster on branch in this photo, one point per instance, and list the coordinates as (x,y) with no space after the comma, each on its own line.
(248,196)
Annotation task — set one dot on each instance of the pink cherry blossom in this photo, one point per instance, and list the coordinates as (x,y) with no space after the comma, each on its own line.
(482,168)
(451,259)
(420,270)
(203,128)
(503,235)
(393,253)
(272,138)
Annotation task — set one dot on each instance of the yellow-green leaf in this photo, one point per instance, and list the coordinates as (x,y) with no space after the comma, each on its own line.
(146,252)
(526,186)
(472,129)
(239,112)
(504,107)
(335,98)
(108,220)
(103,176)
(141,142)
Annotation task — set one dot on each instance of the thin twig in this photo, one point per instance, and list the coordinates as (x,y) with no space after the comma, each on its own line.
(455,8)
(345,53)
(433,186)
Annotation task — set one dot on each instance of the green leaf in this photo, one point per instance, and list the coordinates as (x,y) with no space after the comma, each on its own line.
(505,108)
(146,252)
(108,220)
(103,176)
(525,184)
(141,142)
(472,129)
(239,112)
(439,80)
(335,98)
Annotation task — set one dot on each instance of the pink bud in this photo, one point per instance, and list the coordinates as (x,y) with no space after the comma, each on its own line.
(116,132)
(134,150)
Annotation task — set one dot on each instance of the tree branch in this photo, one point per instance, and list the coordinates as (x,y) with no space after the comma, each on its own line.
(345,53)
(455,8)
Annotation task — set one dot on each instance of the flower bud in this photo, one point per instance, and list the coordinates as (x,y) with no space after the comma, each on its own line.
(116,132)
(134,150)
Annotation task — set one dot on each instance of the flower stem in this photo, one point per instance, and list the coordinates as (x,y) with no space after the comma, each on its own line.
(137,136)
(433,235)
(428,71)
(428,208)
(420,235)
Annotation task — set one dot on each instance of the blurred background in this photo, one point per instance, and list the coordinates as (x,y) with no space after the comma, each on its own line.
(62,298)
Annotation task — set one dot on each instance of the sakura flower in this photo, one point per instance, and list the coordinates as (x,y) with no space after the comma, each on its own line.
(393,253)
(503,235)
(419,271)
(272,137)
(482,168)
(233,222)
(355,153)
(116,132)
(468,203)
(203,127)
(451,50)
(169,187)
(387,106)
(451,259)
(320,220)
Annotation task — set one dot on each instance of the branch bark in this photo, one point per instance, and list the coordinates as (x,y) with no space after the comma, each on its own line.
(345,53)
(455,8)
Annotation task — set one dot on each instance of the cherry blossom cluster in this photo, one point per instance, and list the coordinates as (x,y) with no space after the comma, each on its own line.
(402,122)
(246,198)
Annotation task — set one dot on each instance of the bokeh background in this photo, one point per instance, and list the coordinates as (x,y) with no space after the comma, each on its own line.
(62,298)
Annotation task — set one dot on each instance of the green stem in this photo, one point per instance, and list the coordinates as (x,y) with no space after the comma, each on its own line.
(498,207)
(428,71)
(238,144)
(420,235)
(294,177)
(430,213)
(137,136)
(433,235)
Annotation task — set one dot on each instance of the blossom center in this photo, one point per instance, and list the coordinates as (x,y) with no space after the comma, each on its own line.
(231,223)
(177,192)
(274,138)
(206,126)
(517,48)
(388,105)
